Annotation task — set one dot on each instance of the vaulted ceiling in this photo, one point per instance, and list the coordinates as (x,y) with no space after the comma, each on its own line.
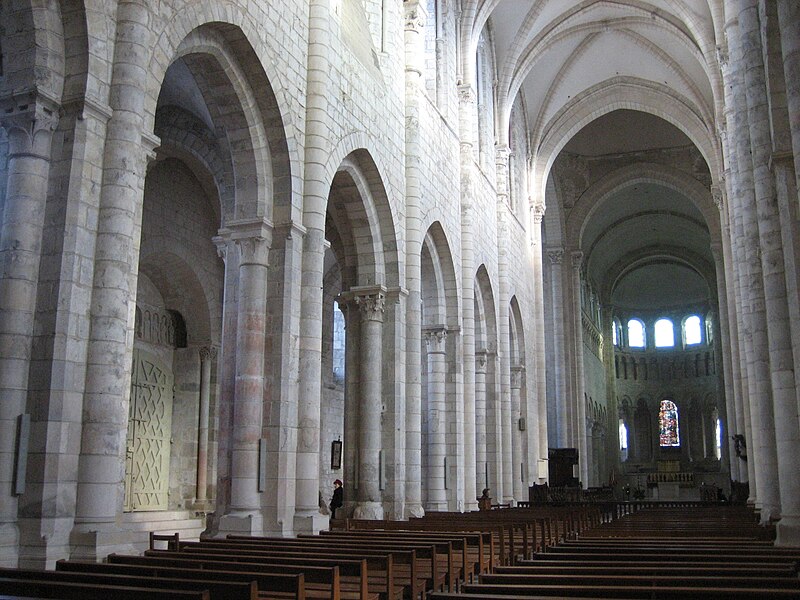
(619,77)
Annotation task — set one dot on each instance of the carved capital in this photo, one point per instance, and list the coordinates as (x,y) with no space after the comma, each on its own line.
(435,338)
(253,238)
(415,16)
(222,247)
(718,196)
(722,57)
(253,251)
(29,118)
(517,375)
(208,353)
(480,361)
(537,214)
(466,94)
(372,307)
(556,255)
(577,259)
(501,156)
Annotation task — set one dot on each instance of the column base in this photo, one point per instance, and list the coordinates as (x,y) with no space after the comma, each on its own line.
(436,506)
(414,511)
(787,531)
(368,510)
(44,541)
(95,541)
(9,545)
(240,523)
(311,523)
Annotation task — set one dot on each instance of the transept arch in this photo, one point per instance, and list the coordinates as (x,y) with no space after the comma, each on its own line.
(605,97)
(591,201)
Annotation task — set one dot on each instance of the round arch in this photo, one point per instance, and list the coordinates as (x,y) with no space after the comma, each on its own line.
(226,66)
(441,270)
(352,160)
(593,198)
(616,94)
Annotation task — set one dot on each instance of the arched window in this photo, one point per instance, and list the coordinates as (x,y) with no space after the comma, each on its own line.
(338,343)
(665,334)
(616,333)
(623,435)
(669,435)
(717,436)
(636,334)
(709,330)
(692,331)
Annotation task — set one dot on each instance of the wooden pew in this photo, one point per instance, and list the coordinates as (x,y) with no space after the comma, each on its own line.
(480,540)
(355,580)
(217,590)
(536,580)
(61,590)
(271,585)
(465,549)
(346,579)
(390,570)
(660,569)
(437,568)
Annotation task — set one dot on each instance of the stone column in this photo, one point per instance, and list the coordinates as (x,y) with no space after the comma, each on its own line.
(579,400)
(436,341)
(415,18)
(768,102)
(101,466)
(789,24)
(538,435)
(780,419)
(481,479)
(556,256)
(518,461)
(494,426)
(371,303)
(352,379)
(728,333)
(504,330)
(466,108)
(316,188)
(29,124)
(749,284)
(253,240)
(734,243)
(208,356)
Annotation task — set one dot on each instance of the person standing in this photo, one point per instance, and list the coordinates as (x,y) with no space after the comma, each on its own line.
(338,497)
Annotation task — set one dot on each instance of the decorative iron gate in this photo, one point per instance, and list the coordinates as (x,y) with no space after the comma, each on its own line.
(149,430)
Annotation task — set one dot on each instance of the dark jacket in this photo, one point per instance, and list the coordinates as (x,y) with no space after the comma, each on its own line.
(338,498)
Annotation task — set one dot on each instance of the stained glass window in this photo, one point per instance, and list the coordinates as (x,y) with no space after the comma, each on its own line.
(668,424)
